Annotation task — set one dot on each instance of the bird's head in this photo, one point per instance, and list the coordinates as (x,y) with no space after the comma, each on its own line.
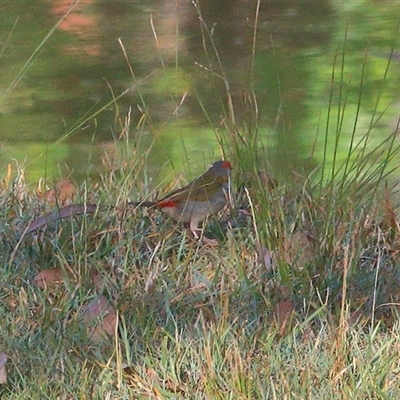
(221,168)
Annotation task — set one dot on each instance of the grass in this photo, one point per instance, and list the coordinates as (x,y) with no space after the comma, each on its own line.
(298,301)
(198,322)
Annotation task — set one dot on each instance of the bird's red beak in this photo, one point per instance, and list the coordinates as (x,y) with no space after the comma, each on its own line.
(226,164)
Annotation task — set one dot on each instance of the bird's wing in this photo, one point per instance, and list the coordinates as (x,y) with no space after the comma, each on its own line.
(200,189)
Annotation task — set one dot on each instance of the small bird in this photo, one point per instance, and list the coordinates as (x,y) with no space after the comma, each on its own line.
(206,195)
(191,204)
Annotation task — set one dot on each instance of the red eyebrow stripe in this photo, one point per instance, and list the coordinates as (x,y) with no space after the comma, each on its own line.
(226,164)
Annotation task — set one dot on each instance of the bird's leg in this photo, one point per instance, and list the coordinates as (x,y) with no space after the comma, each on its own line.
(197,233)
(193,227)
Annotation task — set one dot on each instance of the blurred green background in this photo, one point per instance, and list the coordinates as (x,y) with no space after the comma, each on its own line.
(60,65)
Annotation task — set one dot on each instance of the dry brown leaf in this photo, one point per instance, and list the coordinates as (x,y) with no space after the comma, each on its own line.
(62,194)
(299,249)
(100,319)
(12,302)
(52,277)
(3,371)
(282,316)
(264,257)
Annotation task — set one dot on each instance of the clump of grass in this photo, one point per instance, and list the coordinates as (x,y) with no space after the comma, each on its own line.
(198,322)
